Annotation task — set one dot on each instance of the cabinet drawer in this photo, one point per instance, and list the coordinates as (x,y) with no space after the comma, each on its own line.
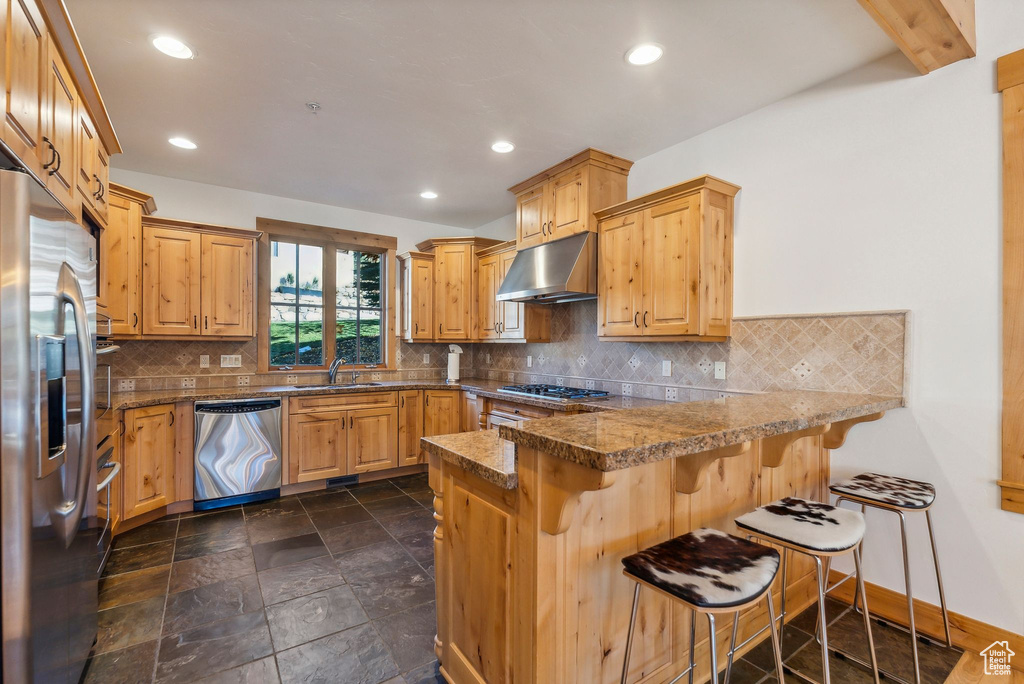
(518,411)
(331,402)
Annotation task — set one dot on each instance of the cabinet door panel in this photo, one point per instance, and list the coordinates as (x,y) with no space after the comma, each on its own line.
(453,277)
(148,459)
(317,445)
(619,288)
(227,285)
(170,281)
(102,170)
(86,158)
(440,412)
(530,218)
(25,59)
(510,314)
(421,299)
(671,268)
(410,426)
(489,308)
(59,128)
(372,439)
(121,273)
(716,284)
(568,212)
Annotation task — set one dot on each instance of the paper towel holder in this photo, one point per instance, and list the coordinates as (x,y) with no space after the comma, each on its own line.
(454,351)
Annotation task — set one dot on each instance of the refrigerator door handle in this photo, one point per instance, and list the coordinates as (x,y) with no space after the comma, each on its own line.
(69,291)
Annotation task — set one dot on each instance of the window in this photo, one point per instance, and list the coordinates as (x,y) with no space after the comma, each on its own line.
(314,288)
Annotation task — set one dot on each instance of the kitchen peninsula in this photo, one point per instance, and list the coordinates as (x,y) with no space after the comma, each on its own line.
(534,518)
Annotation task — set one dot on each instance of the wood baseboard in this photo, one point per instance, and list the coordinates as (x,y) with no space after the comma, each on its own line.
(967,633)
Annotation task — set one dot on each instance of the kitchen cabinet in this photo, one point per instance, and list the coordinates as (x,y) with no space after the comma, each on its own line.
(318,445)
(25,55)
(120,264)
(227,285)
(561,201)
(440,412)
(93,174)
(148,469)
(410,426)
(60,104)
(416,272)
(506,321)
(665,265)
(372,439)
(170,281)
(453,300)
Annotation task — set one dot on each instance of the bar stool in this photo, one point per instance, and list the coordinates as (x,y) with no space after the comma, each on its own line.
(898,495)
(710,572)
(820,531)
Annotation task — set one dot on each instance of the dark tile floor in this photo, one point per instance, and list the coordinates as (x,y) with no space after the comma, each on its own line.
(337,586)
(329,586)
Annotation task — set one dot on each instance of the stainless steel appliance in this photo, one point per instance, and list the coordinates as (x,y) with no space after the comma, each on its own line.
(554,272)
(108,432)
(48,529)
(237,452)
(554,392)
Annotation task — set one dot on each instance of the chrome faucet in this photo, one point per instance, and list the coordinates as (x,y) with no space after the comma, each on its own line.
(332,372)
(355,377)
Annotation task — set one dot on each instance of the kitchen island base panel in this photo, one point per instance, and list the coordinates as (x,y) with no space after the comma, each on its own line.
(516,603)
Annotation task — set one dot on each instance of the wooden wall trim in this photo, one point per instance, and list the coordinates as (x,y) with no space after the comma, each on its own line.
(1012,481)
(1010,70)
(931,33)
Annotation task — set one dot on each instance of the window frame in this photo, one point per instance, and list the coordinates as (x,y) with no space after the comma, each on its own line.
(330,240)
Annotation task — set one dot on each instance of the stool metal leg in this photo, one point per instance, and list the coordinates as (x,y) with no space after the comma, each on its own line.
(732,646)
(693,644)
(629,635)
(714,648)
(910,597)
(938,579)
(782,607)
(825,678)
(867,616)
(776,638)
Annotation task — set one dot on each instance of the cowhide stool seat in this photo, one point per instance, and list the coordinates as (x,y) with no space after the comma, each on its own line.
(898,495)
(820,531)
(711,572)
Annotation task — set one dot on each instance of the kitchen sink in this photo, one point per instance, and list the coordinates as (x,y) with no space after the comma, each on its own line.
(339,386)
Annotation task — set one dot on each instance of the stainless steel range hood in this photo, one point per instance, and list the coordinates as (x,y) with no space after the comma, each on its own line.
(561,271)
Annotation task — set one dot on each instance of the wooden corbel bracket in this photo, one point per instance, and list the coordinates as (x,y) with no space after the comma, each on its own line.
(773,449)
(836,436)
(690,469)
(562,482)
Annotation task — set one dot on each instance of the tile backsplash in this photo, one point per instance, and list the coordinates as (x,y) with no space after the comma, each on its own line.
(849,352)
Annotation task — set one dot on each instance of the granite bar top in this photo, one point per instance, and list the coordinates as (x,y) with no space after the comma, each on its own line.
(483,453)
(482,387)
(613,440)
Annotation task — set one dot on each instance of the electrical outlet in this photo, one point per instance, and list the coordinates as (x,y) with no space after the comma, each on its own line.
(426,359)
(125,385)
(204,360)
(375,376)
(529,362)
(243,380)
(719,370)
(560,382)
(590,384)
(671,394)
(292,379)
(666,368)
(627,389)
(188,383)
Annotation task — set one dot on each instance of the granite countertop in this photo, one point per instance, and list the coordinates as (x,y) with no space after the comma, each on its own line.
(483,453)
(486,388)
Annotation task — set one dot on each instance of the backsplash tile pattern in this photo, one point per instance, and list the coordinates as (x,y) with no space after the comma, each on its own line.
(850,352)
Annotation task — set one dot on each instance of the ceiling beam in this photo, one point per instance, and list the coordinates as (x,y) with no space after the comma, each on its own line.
(931,33)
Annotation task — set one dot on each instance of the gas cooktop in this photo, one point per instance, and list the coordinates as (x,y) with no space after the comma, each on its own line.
(553,392)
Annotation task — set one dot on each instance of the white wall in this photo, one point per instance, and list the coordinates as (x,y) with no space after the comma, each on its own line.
(881,190)
(503,228)
(226,206)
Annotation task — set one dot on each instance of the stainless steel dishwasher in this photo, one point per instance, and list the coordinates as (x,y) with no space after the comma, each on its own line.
(237,452)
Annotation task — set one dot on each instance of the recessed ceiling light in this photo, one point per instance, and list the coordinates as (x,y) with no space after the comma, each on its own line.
(644,54)
(173,47)
(428,194)
(183,143)
(503,146)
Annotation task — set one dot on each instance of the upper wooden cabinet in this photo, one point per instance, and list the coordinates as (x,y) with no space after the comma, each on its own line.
(416,273)
(561,200)
(506,321)
(665,266)
(52,110)
(120,276)
(170,281)
(227,285)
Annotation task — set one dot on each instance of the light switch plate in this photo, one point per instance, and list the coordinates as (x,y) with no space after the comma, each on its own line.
(230,360)
(188,383)
(488,358)
(671,394)
(243,380)
(529,362)
(204,360)
(666,368)
(719,370)
(426,358)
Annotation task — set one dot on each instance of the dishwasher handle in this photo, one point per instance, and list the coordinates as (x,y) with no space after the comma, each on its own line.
(237,407)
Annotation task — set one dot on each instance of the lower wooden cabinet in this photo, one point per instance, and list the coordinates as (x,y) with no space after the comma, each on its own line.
(440,412)
(148,467)
(410,426)
(372,440)
(317,445)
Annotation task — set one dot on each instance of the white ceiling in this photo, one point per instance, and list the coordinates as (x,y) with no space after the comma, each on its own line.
(415,91)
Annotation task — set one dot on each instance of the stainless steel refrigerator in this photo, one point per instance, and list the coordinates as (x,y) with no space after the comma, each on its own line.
(47,411)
